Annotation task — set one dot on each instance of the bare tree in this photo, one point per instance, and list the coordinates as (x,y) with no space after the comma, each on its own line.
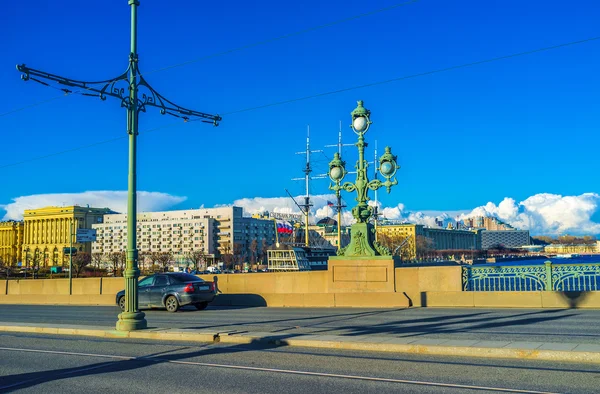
(239,254)
(163,259)
(424,246)
(8,263)
(197,257)
(97,259)
(36,258)
(253,251)
(4,265)
(399,245)
(153,257)
(143,258)
(118,261)
(80,261)
(262,255)
(227,257)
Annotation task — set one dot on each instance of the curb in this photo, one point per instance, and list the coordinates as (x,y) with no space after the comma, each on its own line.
(345,344)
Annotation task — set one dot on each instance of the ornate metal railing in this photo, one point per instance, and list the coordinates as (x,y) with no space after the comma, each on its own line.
(576,277)
(546,277)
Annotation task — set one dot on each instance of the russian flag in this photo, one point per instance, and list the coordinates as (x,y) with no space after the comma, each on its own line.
(280,228)
(288,228)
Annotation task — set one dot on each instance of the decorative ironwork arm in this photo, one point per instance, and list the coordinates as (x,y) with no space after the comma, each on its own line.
(155,99)
(102,91)
(348,186)
(108,87)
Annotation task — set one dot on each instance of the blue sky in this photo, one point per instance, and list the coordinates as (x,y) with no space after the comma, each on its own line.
(512,128)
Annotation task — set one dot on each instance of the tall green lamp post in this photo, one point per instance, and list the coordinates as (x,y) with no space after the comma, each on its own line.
(135,102)
(362,233)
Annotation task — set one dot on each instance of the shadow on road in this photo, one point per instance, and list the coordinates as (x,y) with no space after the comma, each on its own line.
(454,324)
(363,323)
(31,379)
(331,318)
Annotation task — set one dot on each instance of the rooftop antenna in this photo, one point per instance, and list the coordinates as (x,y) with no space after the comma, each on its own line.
(307,170)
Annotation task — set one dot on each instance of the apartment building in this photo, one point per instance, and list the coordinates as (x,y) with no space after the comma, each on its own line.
(216,231)
(489,223)
(177,232)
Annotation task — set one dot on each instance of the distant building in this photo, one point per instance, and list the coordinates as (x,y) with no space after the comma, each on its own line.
(441,239)
(444,239)
(47,231)
(324,234)
(504,238)
(579,249)
(215,231)
(490,223)
(11,242)
(175,231)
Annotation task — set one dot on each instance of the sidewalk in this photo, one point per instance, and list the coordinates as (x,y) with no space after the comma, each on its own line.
(551,351)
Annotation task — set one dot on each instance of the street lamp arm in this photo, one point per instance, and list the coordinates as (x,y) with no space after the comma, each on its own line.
(349,186)
(102,89)
(106,88)
(155,99)
(376,184)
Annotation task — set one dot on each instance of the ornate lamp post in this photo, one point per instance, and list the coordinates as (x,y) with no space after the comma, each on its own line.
(362,235)
(135,102)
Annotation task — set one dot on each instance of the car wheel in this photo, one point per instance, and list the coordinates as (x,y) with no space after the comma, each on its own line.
(122,303)
(171,304)
(201,305)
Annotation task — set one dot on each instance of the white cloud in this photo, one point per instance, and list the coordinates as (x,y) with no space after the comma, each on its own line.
(547,213)
(115,200)
(319,208)
(541,214)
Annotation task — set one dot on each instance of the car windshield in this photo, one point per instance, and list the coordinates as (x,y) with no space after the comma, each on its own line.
(183,277)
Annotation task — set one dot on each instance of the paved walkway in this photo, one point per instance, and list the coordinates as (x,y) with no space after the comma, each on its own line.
(555,351)
(506,325)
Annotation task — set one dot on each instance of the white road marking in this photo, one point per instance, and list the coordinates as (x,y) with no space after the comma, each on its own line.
(258,369)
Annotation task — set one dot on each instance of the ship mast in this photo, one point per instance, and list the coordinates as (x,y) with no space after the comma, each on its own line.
(376,208)
(339,205)
(307,170)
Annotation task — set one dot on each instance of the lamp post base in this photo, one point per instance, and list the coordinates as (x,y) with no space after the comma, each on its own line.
(131,321)
(362,242)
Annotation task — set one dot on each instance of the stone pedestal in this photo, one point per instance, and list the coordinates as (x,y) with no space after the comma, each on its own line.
(362,274)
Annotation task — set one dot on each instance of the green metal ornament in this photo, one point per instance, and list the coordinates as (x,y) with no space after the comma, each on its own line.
(362,241)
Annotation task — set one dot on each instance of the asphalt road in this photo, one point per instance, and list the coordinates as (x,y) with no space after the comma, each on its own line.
(548,325)
(52,364)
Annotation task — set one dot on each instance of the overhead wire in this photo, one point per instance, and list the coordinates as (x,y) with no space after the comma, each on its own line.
(422,74)
(12,111)
(91,145)
(232,50)
(285,36)
(426,73)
